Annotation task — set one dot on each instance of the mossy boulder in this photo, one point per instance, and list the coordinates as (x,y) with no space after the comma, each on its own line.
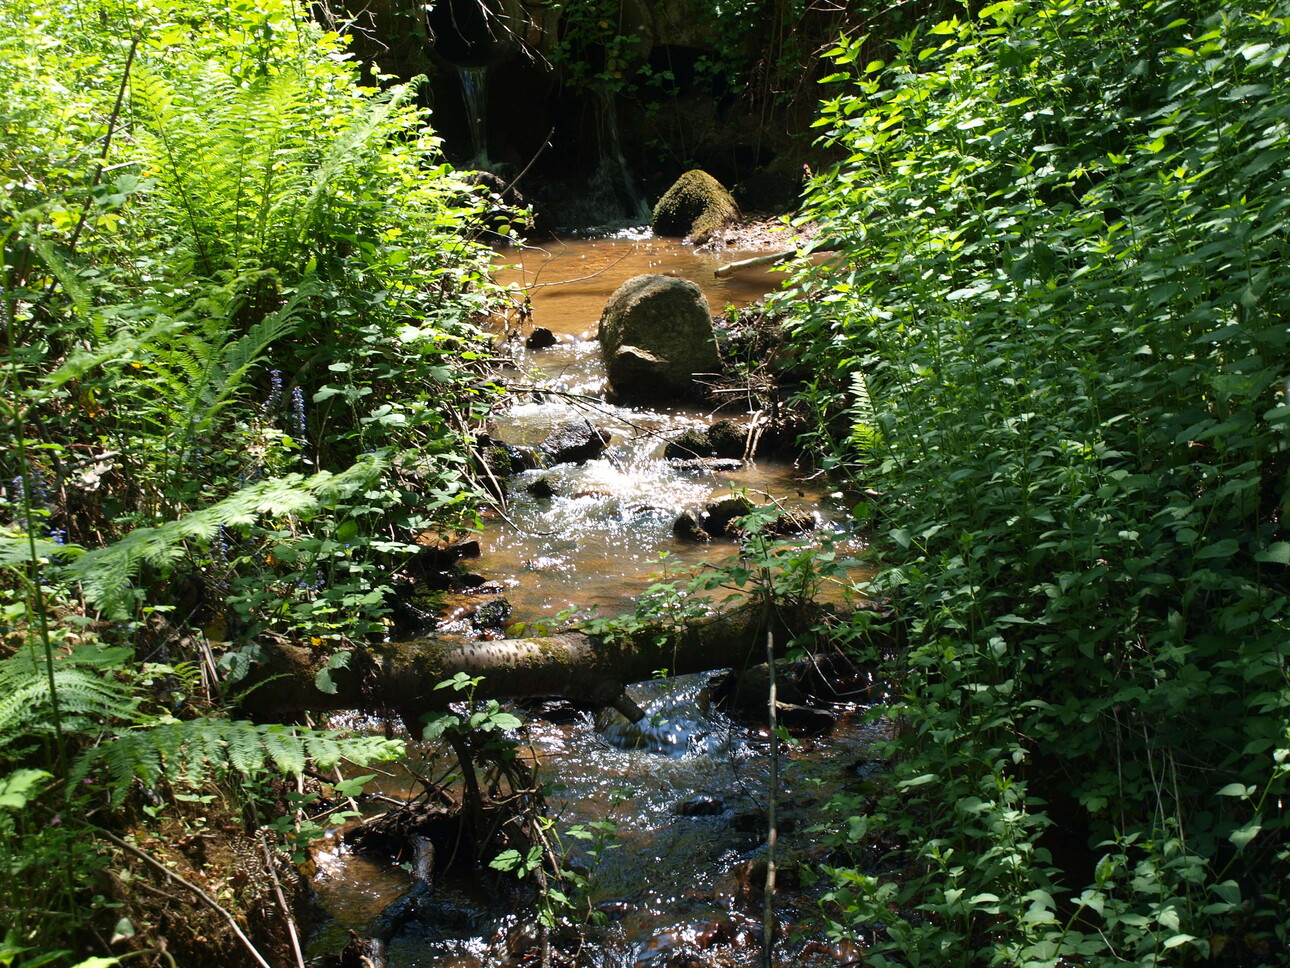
(696,207)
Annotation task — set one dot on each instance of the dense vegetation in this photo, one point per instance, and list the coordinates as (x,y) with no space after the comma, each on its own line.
(239,295)
(1054,342)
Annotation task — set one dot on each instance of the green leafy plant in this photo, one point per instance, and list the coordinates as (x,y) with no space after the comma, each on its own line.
(1052,345)
(198,201)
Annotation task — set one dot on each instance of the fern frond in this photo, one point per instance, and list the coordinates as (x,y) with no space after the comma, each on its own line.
(15,549)
(192,751)
(864,422)
(126,344)
(285,748)
(346,150)
(105,573)
(244,353)
(84,683)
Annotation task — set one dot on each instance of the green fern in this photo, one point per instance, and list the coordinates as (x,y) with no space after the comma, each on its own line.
(197,371)
(864,421)
(190,752)
(86,685)
(105,573)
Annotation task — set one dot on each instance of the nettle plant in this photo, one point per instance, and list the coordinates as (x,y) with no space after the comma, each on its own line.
(1054,342)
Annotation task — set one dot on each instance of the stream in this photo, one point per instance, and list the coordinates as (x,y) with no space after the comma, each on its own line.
(678,802)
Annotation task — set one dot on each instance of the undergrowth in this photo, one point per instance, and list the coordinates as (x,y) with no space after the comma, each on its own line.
(1053,342)
(239,297)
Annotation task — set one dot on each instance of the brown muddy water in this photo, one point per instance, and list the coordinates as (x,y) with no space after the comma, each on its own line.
(607,534)
(675,890)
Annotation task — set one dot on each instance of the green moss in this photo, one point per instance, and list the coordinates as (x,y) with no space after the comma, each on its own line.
(697,205)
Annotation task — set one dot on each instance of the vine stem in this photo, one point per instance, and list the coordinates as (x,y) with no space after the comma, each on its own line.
(24,471)
(772,832)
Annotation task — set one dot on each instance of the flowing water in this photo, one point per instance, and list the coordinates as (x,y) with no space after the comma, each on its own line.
(474,90)
(680,798)
(606,534)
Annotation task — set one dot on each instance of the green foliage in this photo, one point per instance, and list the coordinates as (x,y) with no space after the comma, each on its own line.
(603,46)
(251,213)
(190,752)
(1054,341)
(238,295)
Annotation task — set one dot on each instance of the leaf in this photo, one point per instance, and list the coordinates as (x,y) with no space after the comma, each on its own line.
(922,780)
(17,550)
(1241,837)
(507,860)
(123,931)
(1236,790)
(16,788)
(1219,549)
(436,724)
(324,682)
(506,721)
(354,785)
(1277,553)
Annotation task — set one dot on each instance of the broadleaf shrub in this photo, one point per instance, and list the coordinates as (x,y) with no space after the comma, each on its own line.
(1054,341)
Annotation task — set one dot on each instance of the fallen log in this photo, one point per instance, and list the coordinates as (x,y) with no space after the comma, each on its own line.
(730,268)
(591,669)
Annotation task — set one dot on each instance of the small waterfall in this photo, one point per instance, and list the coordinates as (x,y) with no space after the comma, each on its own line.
(474,88)
(613,166)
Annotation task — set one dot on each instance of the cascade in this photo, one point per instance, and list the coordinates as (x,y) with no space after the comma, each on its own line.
(613,166)
(474,88)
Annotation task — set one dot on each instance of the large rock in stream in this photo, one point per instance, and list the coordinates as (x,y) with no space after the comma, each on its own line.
(656,336)
(696,206)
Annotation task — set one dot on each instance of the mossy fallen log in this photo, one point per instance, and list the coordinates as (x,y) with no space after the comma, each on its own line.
(592,669)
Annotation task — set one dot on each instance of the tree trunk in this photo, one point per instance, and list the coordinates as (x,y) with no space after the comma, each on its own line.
(401,676)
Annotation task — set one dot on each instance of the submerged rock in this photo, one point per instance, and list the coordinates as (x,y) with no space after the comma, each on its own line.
(656,335)
(696,206)
(700,806)
(689,528)
(720,517)
(541,489)
(540,339)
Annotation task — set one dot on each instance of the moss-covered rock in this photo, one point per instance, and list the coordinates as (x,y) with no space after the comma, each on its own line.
(696,206)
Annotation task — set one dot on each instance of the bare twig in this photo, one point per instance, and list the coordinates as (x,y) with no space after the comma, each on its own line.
(282,903)
(210,901)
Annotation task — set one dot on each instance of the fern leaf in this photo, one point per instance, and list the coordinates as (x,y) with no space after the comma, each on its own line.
(105,573)
(16,550)
(192,751)
(125,345)
(285,748)
(243,353)
(85,688)
(347,149)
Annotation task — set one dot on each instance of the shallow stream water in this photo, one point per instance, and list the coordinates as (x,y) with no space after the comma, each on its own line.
(607,532)
(683,795)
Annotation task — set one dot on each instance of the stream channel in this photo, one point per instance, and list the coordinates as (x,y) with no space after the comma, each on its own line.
(680,798)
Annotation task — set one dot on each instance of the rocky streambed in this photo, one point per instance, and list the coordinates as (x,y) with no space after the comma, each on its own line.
(610,485)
